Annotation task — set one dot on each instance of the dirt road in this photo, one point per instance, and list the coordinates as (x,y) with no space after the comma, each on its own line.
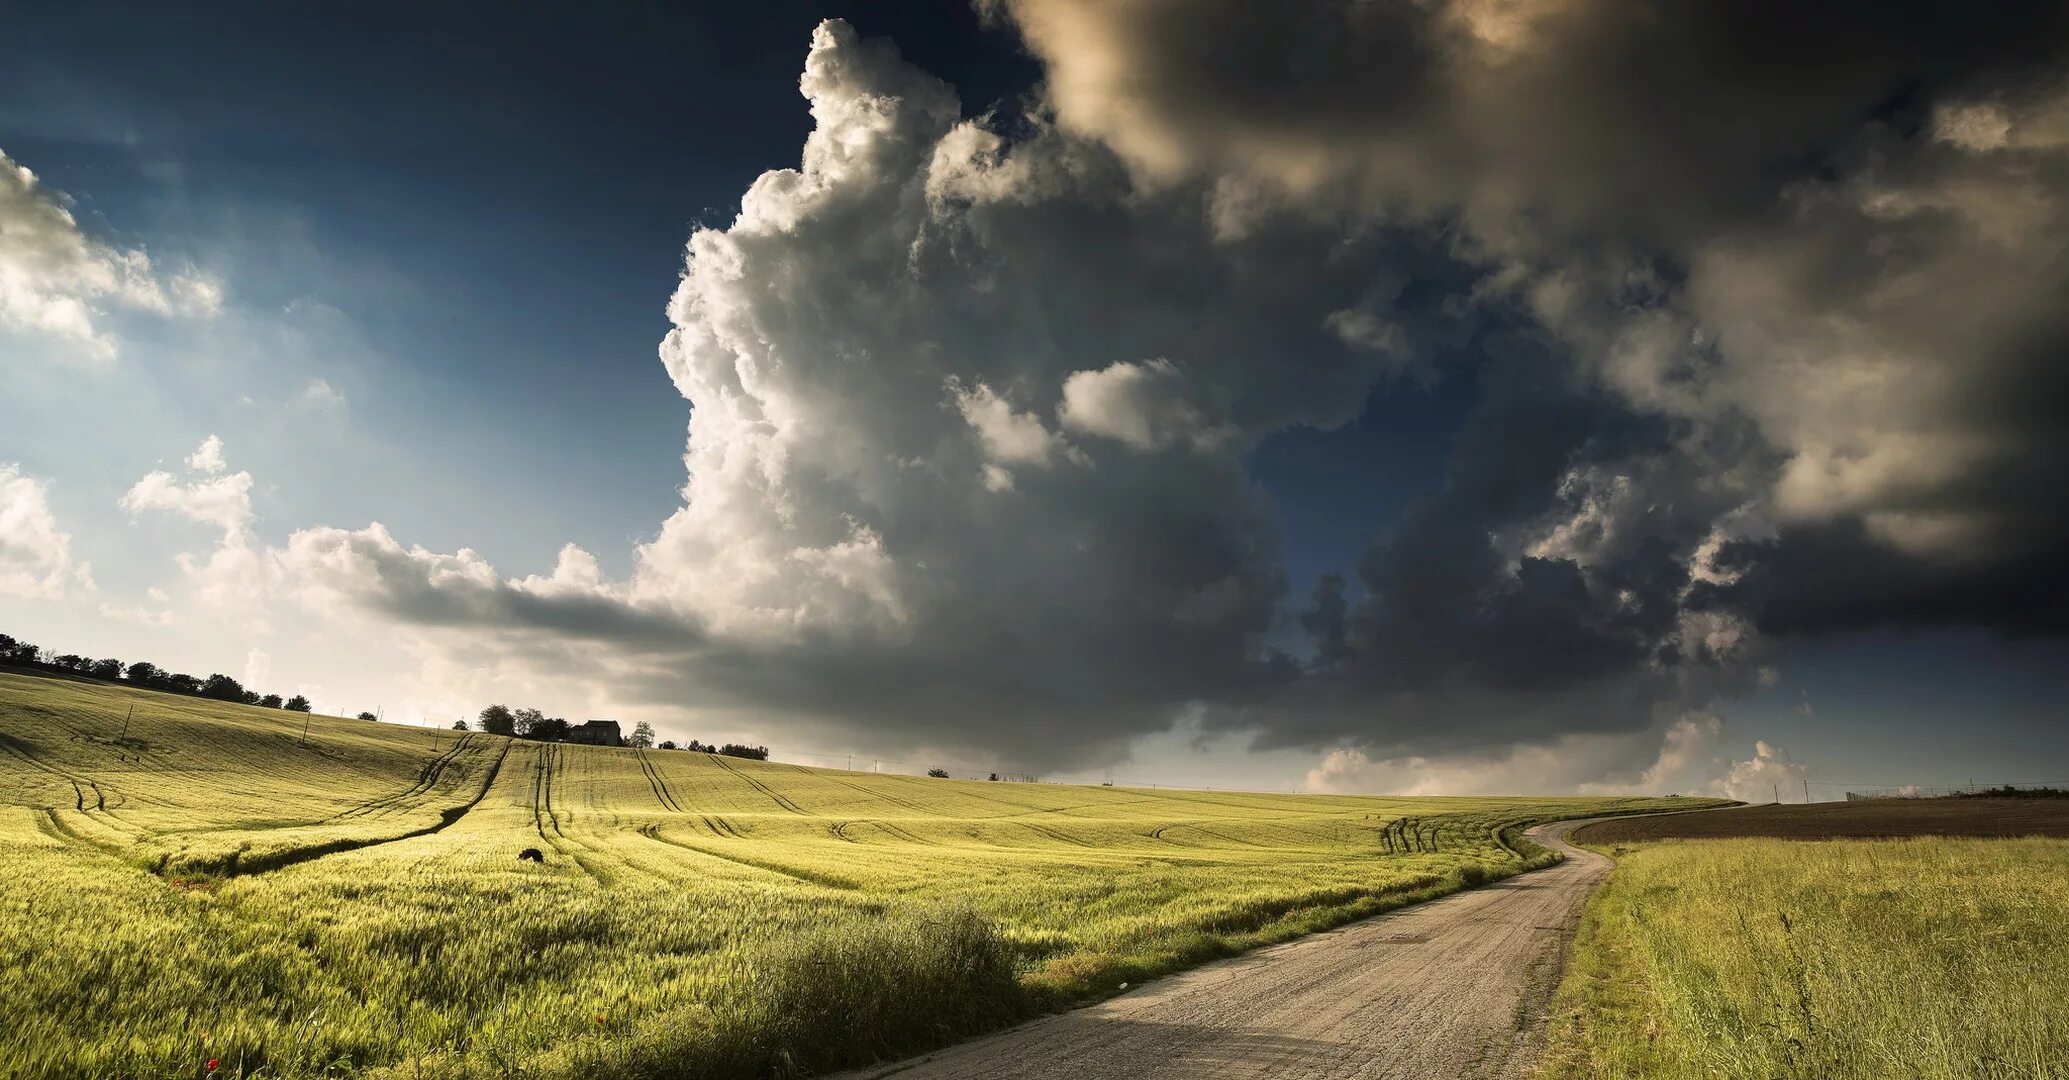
(1452,988)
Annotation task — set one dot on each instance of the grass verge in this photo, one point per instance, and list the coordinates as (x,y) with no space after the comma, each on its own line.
(1928,958)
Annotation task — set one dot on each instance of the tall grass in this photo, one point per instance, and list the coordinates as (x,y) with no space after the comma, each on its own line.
(1926,958)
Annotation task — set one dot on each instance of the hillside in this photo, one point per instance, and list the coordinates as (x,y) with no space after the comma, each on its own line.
(358,902)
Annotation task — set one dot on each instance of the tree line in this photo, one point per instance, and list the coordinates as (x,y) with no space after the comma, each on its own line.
(523,723)
(528,723)
(144,675)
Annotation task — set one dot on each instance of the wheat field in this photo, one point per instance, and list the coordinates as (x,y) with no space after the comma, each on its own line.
(212,889)
(1932,958)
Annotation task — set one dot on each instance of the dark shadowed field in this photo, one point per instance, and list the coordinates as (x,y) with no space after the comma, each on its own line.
(1871,818)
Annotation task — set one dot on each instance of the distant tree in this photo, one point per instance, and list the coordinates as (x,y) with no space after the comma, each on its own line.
(367,716)
(145,674)
(549,729)
(642,735)
(182,684)
(497,720)
(667,744)
(71,661)
(459,725)
(527,719)
(752,753)
(222,688)
(110,669)
(939,774)
(696,747)
(20,652)
(270,701)
(994,776)
(297,703)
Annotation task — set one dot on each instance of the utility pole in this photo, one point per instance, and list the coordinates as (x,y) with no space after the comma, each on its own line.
(1778,794)
(1806,789)
(305,727)
(125,722)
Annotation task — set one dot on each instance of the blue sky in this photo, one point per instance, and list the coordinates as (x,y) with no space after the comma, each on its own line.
(446,246)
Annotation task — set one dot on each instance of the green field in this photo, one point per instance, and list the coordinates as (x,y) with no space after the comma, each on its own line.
(210,888)
(1923,958)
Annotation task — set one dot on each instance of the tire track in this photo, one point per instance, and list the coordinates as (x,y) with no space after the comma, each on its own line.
(427,778)
(661,793)
(757,785)
(447,818)
(809,877)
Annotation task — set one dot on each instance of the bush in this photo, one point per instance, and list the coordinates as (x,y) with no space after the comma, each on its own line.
(938,774)
(859,990)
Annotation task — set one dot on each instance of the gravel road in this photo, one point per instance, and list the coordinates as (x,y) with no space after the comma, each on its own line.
(1452,988)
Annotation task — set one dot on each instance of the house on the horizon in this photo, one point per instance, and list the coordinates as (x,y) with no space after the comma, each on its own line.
(597,733)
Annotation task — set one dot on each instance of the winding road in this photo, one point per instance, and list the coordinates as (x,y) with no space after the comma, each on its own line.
(1455,987)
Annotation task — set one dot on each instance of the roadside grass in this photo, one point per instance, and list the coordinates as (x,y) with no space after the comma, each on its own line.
(1924,958)
(210,887)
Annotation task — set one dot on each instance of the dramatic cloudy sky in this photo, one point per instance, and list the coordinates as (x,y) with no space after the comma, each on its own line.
(1411,395)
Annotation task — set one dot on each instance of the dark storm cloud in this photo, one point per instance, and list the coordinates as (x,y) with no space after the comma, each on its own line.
(1761,303)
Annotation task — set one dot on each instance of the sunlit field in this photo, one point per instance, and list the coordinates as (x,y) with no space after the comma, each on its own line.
(1925,958)
(212,889)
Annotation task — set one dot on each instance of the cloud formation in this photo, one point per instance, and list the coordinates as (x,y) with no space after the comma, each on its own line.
(1757,305)
(35,554)
(54,277)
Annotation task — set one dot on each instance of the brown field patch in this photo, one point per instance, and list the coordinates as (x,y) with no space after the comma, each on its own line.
(1870,818)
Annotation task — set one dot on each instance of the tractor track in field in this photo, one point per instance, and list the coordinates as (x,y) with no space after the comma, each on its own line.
(1453,988)
(774,796)
(661,792)
(447,818)
(808,877)
(544,769)
(80,786)
(427,778)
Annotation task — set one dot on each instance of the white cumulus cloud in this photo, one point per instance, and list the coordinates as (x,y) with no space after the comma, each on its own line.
(56,280)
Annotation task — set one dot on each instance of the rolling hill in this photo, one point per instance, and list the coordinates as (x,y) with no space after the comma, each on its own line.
(212,887)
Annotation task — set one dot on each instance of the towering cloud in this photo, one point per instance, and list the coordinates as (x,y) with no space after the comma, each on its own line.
(1758,305)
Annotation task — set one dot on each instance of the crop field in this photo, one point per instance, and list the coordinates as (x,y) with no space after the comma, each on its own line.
(208,888)
(1836,820)
(1930,958)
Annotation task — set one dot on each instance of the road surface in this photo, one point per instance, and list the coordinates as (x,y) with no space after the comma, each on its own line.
(1452,988)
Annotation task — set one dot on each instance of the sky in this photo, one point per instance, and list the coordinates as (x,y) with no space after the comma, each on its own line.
(1477,396)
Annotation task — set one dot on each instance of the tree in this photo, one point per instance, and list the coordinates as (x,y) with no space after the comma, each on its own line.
(72,661)
(270,701)
(459,725)
(182,684)
(109,669)
(667,744)
(145,674)
(367,716)
(939,774)
(527,719)
(549,729)
(20,652)
(497,720)
(297,703)
(222,688)
(738,750)
(642,735)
